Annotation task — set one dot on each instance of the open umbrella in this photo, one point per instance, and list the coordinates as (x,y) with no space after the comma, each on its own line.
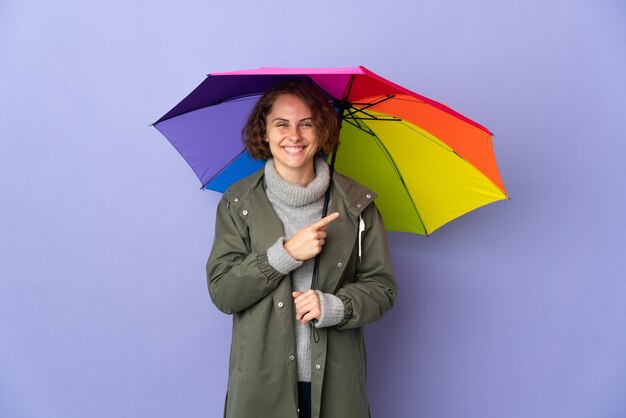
(428,163)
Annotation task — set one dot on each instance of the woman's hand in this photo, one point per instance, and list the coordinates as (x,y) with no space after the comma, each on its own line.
(307,305)
(308,242)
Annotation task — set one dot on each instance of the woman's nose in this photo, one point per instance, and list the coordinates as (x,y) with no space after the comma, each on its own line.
(294,133)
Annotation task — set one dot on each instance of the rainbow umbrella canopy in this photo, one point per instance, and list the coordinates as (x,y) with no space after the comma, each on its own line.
(428,163)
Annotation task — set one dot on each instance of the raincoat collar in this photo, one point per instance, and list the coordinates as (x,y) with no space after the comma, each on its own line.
(356,196)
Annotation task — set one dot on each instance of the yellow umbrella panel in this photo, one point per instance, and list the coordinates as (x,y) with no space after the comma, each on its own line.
(422,182)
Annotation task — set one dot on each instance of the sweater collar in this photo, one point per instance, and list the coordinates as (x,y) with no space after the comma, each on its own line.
(293,194)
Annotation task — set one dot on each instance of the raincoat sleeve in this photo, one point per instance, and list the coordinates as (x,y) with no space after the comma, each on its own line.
(374,288)
(237,277)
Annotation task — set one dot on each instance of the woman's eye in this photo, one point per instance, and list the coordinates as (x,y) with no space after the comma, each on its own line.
(306,124)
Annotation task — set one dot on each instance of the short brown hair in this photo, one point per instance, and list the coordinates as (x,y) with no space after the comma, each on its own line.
(323,116)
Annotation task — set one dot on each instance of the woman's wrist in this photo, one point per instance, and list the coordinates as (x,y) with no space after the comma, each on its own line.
(332,310)
(280,259)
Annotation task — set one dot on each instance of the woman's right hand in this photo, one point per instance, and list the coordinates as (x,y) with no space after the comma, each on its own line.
(308,242)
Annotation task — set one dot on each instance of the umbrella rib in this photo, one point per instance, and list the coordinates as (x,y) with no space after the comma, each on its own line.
(379,119)
(397,170)
(446,109)
(447,148)
(368,105)
(221,101)
(223,168)
(353,122)
(384,99)
(372,117)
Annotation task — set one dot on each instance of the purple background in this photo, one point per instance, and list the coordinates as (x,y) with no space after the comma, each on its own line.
(515,310)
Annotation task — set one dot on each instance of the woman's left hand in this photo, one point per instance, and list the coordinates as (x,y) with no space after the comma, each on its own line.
(307,305)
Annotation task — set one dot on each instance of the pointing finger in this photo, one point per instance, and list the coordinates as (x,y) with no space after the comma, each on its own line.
(322,223)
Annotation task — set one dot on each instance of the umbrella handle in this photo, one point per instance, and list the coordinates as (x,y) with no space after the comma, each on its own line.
(316,265)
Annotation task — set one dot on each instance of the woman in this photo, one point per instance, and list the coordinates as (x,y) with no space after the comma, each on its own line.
(268,232)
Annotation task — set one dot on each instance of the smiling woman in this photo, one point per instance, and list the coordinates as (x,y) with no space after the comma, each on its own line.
(267,235)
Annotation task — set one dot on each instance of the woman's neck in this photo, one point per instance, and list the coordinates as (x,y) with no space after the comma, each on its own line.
(294,194)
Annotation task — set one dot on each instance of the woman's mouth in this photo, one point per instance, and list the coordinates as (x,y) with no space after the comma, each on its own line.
(293,150)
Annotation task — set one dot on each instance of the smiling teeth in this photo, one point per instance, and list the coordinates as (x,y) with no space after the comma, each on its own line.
(293,149)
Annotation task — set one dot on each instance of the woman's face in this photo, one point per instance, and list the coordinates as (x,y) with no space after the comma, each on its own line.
(292,139)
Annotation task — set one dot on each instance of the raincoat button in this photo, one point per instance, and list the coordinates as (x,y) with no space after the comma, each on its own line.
(339,264)
(292,358)
(317,366)
(358,205)
(280,304)
(245,212)
(236,199)
(369,196)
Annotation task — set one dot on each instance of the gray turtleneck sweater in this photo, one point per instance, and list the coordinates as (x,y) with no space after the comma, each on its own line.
(297,207)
